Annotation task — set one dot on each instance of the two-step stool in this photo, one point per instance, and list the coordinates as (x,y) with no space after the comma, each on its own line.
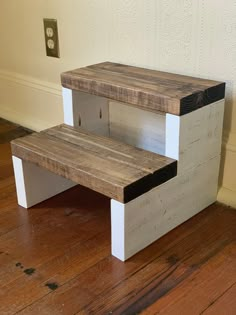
(149,140)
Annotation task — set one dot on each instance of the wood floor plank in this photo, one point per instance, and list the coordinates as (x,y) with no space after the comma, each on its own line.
(43,231)
(13,134)
(6,126)
(110,284)
(7,189)
(163,274)
(116,271)
(225,303)
(6,168)
(52,274)
(56,247)
(205,286)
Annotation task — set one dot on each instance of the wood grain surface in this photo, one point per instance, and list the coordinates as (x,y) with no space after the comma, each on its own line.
(115,169)
(55,259)
(148,89)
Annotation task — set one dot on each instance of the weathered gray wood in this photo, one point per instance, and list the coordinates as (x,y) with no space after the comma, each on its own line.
(115,169)
(137,127)
(138,223)
(147,89)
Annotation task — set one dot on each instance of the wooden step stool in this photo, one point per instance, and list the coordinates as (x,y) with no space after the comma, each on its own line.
(125,128)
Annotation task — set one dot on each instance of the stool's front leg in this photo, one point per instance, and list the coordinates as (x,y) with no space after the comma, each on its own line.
(145,219)
(35,184)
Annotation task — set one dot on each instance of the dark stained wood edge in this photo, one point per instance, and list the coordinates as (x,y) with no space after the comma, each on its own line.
(201,99)
(138,98)
(149,182)
(152,73)
(122,194)
(65,171)
(141,98)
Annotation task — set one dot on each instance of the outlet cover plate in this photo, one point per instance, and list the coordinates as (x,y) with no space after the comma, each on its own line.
(51,38)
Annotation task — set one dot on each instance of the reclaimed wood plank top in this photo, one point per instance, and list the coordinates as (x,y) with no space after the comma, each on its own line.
(115,169)
(148,89)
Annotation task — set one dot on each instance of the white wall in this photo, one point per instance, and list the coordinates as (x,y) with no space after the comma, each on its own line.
(185,36)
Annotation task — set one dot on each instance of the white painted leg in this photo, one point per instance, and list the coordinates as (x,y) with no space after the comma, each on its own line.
(143,220)
(118,230)
(68,107)
(195,137)
(35,184)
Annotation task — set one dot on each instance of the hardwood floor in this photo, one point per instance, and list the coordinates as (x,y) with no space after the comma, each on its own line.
(55,258)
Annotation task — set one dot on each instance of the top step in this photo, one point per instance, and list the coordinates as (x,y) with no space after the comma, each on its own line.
(147,89)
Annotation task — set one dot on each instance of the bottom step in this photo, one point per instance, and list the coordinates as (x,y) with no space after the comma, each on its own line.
(115,169)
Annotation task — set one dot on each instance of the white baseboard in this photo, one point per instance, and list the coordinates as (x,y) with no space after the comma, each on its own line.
(31,82)
(227,197)
(32,103)
(229,141)
(26,121)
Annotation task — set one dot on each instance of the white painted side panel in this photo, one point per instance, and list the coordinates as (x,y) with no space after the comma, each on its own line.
(142,129)
(200,135)
(35,184)
(91,112)
(155,213)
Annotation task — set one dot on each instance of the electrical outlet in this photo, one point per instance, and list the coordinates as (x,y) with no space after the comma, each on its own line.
(51,38)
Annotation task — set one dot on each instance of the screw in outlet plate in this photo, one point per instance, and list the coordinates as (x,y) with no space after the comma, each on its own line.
(51,37)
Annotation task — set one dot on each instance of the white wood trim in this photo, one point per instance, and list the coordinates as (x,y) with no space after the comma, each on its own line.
(30,82)
(172,146)
(227,196)
(118,230)
(229,141)
(196,137)
(27,121)
(195,141)
(32,103)
(35,184)
(68,106)
(140,222)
